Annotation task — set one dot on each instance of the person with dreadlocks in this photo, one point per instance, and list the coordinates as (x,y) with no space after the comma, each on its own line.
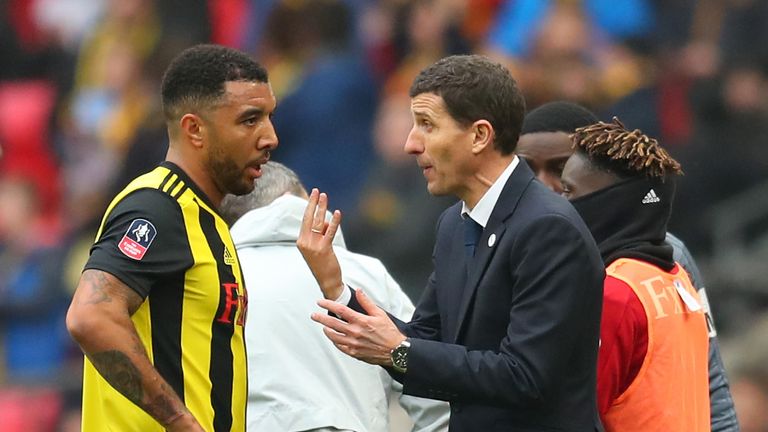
(545,144)
(652,363)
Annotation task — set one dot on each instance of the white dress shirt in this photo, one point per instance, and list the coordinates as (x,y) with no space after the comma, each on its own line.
(482,210)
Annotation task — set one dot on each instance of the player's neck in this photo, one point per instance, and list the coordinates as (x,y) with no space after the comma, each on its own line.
(197,172)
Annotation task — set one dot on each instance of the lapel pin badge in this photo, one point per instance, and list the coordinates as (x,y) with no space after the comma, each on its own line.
(491,240)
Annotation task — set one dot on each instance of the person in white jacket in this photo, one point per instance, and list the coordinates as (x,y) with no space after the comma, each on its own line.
(297,379)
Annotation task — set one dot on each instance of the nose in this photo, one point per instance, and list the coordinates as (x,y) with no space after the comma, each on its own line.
(269,140)
(413,144)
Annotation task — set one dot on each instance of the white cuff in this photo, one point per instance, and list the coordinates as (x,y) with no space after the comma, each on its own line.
(345,297)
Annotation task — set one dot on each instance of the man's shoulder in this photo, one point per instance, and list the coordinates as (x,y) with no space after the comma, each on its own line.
(146,201)
(540,201)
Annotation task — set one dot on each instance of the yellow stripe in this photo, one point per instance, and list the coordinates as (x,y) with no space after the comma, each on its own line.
(177,188)
(197,317)
(169,182)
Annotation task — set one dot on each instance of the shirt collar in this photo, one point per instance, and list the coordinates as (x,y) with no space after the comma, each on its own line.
(482,211)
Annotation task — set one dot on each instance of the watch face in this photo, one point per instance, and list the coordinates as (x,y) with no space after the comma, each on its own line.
(400,357)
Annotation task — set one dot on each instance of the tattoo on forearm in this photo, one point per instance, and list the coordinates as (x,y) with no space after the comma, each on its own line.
(121,373)
(98,284)
(125,377)
(161,407)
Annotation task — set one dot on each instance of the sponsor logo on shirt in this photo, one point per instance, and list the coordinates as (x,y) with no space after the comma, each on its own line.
(137,239)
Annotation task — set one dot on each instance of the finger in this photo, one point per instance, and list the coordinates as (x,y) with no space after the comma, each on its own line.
(333,225)
(367,304)
(309,211)
(346,349)
(340,310)
(338,338)
(319,217)
(331,322)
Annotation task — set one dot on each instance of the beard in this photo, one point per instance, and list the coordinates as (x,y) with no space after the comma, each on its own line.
(226,174)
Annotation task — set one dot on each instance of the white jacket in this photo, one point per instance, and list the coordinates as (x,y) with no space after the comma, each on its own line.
(297,379)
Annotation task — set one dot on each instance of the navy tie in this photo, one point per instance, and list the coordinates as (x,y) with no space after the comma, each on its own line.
(472,231)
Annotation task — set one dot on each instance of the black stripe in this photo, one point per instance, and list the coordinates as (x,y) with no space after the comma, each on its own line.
(180,192)
(173,185)
(165,180)
(221,373)
(165,311)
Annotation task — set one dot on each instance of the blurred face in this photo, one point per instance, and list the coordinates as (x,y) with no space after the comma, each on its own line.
(546,154)
(441,145)
(579,178)
(18,201)
(240,136)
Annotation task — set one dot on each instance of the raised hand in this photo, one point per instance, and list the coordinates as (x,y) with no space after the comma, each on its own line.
(315,243)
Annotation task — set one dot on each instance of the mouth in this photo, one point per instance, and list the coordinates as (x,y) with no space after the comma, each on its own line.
(425,168)
(254,168)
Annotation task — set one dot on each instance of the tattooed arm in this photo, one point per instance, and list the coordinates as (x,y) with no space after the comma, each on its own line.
(99,319)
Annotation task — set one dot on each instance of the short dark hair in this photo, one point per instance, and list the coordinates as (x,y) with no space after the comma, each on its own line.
(612,148)
(558,116)
(473,88)
(196,77)
(276,180)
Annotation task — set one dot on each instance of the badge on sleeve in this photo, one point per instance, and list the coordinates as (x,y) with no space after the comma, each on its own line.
(137,239)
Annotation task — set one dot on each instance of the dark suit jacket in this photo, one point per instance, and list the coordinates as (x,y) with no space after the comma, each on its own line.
(512,344)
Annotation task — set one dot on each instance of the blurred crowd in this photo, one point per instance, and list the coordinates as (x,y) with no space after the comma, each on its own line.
(80,116)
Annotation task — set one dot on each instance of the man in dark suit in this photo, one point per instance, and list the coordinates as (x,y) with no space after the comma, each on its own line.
(507,329)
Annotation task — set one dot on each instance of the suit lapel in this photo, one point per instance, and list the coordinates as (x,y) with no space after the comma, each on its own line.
(492,235)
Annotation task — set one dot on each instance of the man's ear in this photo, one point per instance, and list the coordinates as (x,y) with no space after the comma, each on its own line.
(191,126)
(483,136)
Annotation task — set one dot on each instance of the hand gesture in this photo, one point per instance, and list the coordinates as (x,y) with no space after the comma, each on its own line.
(369,338)
(315,243)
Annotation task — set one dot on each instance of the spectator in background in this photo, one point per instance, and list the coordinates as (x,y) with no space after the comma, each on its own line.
(111,99)
(300,382)
(330,113)
(572,50)
(32,307)
(728,154)
(545,143)
(748,359)
(652,372)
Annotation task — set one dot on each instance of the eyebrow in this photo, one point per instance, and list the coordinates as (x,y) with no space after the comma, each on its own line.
(251,112)
(420,113)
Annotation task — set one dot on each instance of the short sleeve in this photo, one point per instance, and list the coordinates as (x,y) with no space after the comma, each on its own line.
(143,242)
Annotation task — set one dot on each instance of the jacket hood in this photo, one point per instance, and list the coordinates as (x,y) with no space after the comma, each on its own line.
(279,222)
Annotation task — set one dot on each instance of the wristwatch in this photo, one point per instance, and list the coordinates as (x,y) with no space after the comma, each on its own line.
(399,356)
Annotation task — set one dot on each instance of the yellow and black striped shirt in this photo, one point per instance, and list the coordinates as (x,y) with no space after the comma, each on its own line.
(162,237)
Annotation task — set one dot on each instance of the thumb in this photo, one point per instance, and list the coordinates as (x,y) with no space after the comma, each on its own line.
(368,305)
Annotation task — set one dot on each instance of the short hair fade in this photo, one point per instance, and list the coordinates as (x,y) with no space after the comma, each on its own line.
(558,116)
(196,77)
(473,88)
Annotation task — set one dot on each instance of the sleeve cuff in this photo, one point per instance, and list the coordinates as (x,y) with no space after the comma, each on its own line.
(346,295)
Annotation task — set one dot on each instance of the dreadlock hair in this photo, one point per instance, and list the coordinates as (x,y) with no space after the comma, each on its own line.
(611,147)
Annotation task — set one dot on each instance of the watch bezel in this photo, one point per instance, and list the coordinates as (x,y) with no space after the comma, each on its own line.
(399,356)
